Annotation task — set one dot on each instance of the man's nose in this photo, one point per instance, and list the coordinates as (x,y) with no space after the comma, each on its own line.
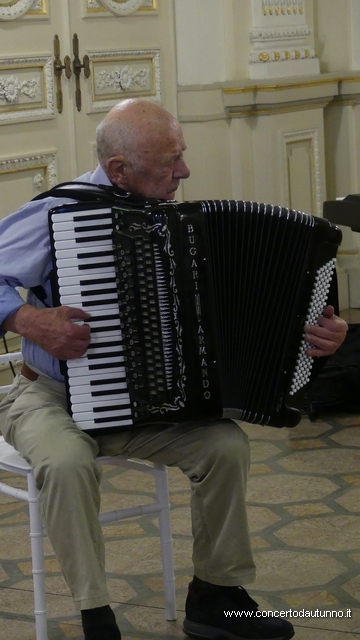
(181,170)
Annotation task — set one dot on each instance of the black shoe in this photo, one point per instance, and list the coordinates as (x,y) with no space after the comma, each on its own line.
(206,616)
(100,624)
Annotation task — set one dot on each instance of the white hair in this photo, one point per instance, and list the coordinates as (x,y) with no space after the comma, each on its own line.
(114,137)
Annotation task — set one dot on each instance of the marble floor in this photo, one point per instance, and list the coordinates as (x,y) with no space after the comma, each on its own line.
(304,510)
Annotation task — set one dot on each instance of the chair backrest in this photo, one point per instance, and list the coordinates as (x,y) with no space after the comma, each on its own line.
(6,375)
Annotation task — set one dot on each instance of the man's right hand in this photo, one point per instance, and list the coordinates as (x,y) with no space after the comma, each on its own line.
(54,330)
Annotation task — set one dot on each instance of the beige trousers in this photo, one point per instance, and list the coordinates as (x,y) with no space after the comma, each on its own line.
(214,456)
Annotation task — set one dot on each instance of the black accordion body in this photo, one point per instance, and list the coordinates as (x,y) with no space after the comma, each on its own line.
(197,309)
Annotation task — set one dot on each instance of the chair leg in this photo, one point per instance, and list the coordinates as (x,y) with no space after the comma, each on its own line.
(162,493)
(37,554)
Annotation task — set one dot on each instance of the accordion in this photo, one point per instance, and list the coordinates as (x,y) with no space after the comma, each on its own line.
(197,309)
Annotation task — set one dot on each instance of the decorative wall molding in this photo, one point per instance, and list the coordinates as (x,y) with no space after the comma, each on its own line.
(273,8)
(122,78)
(34,8)
(26,89)
(37,5)
(43,163)
(38,8)
(280,34)
(306,135)
(12,88)
(14,9)
(121,7)
(282,55)
(123,74)
(94,7)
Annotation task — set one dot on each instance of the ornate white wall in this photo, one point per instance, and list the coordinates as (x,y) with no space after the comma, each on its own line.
(268,99)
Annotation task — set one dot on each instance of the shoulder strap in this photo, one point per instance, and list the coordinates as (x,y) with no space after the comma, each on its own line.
(40,293)
(84,192)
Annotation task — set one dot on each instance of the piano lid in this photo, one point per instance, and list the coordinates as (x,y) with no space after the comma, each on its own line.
(345,211)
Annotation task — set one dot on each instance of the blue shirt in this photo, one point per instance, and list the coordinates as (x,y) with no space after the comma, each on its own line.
(25,261)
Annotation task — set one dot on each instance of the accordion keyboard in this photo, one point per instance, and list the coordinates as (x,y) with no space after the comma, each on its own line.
(85,266)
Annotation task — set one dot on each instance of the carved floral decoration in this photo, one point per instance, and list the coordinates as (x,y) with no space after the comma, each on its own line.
(38,181)
(121,7)
(12,88)
(94,4)
(14,10)
(37,5)
(122,78)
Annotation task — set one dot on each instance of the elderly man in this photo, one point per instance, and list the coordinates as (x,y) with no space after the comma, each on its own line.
(140,148)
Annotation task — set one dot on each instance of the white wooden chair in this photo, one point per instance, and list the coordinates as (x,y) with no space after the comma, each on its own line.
(11,461)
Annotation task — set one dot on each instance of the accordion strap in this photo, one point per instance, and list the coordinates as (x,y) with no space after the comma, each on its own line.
(84,192)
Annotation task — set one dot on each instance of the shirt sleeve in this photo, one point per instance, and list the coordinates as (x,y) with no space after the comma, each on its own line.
(25,255)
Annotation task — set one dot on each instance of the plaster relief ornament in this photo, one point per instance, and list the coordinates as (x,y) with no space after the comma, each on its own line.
(121,7)
(13,9)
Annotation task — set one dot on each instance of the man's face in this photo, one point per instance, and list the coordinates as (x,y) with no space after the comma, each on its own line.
(160,168)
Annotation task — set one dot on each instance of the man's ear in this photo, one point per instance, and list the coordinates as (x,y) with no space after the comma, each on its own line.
(116,171)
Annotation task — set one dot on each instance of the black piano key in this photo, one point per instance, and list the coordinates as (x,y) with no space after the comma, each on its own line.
(114,408)
(97,238)
(95,227)
(94,254)
(94,292)
(92,216)
(91,281)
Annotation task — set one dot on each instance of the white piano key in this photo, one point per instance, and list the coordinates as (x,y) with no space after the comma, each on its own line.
(89,271)
(92,241)
(79,224)
(104,406)
(107,377)
(83,370)
(76,280)
(64,263)
(86,391)
(106,310)
(66,235)
(103,326)
(77,288)
(79,252)
(98,315)
(70,300)
(76,253)
(103,400)
(94,350)
(86,292)
(89,425)
(86,362)
(75,270)
(70,215)
(106,333)
(91,415)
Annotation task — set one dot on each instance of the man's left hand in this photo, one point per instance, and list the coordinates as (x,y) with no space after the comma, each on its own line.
(328,336)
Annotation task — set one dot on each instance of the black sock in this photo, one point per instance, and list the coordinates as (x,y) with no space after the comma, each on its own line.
(100,624)
(202,587)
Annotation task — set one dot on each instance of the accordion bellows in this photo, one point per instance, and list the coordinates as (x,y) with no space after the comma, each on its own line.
(197,309)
